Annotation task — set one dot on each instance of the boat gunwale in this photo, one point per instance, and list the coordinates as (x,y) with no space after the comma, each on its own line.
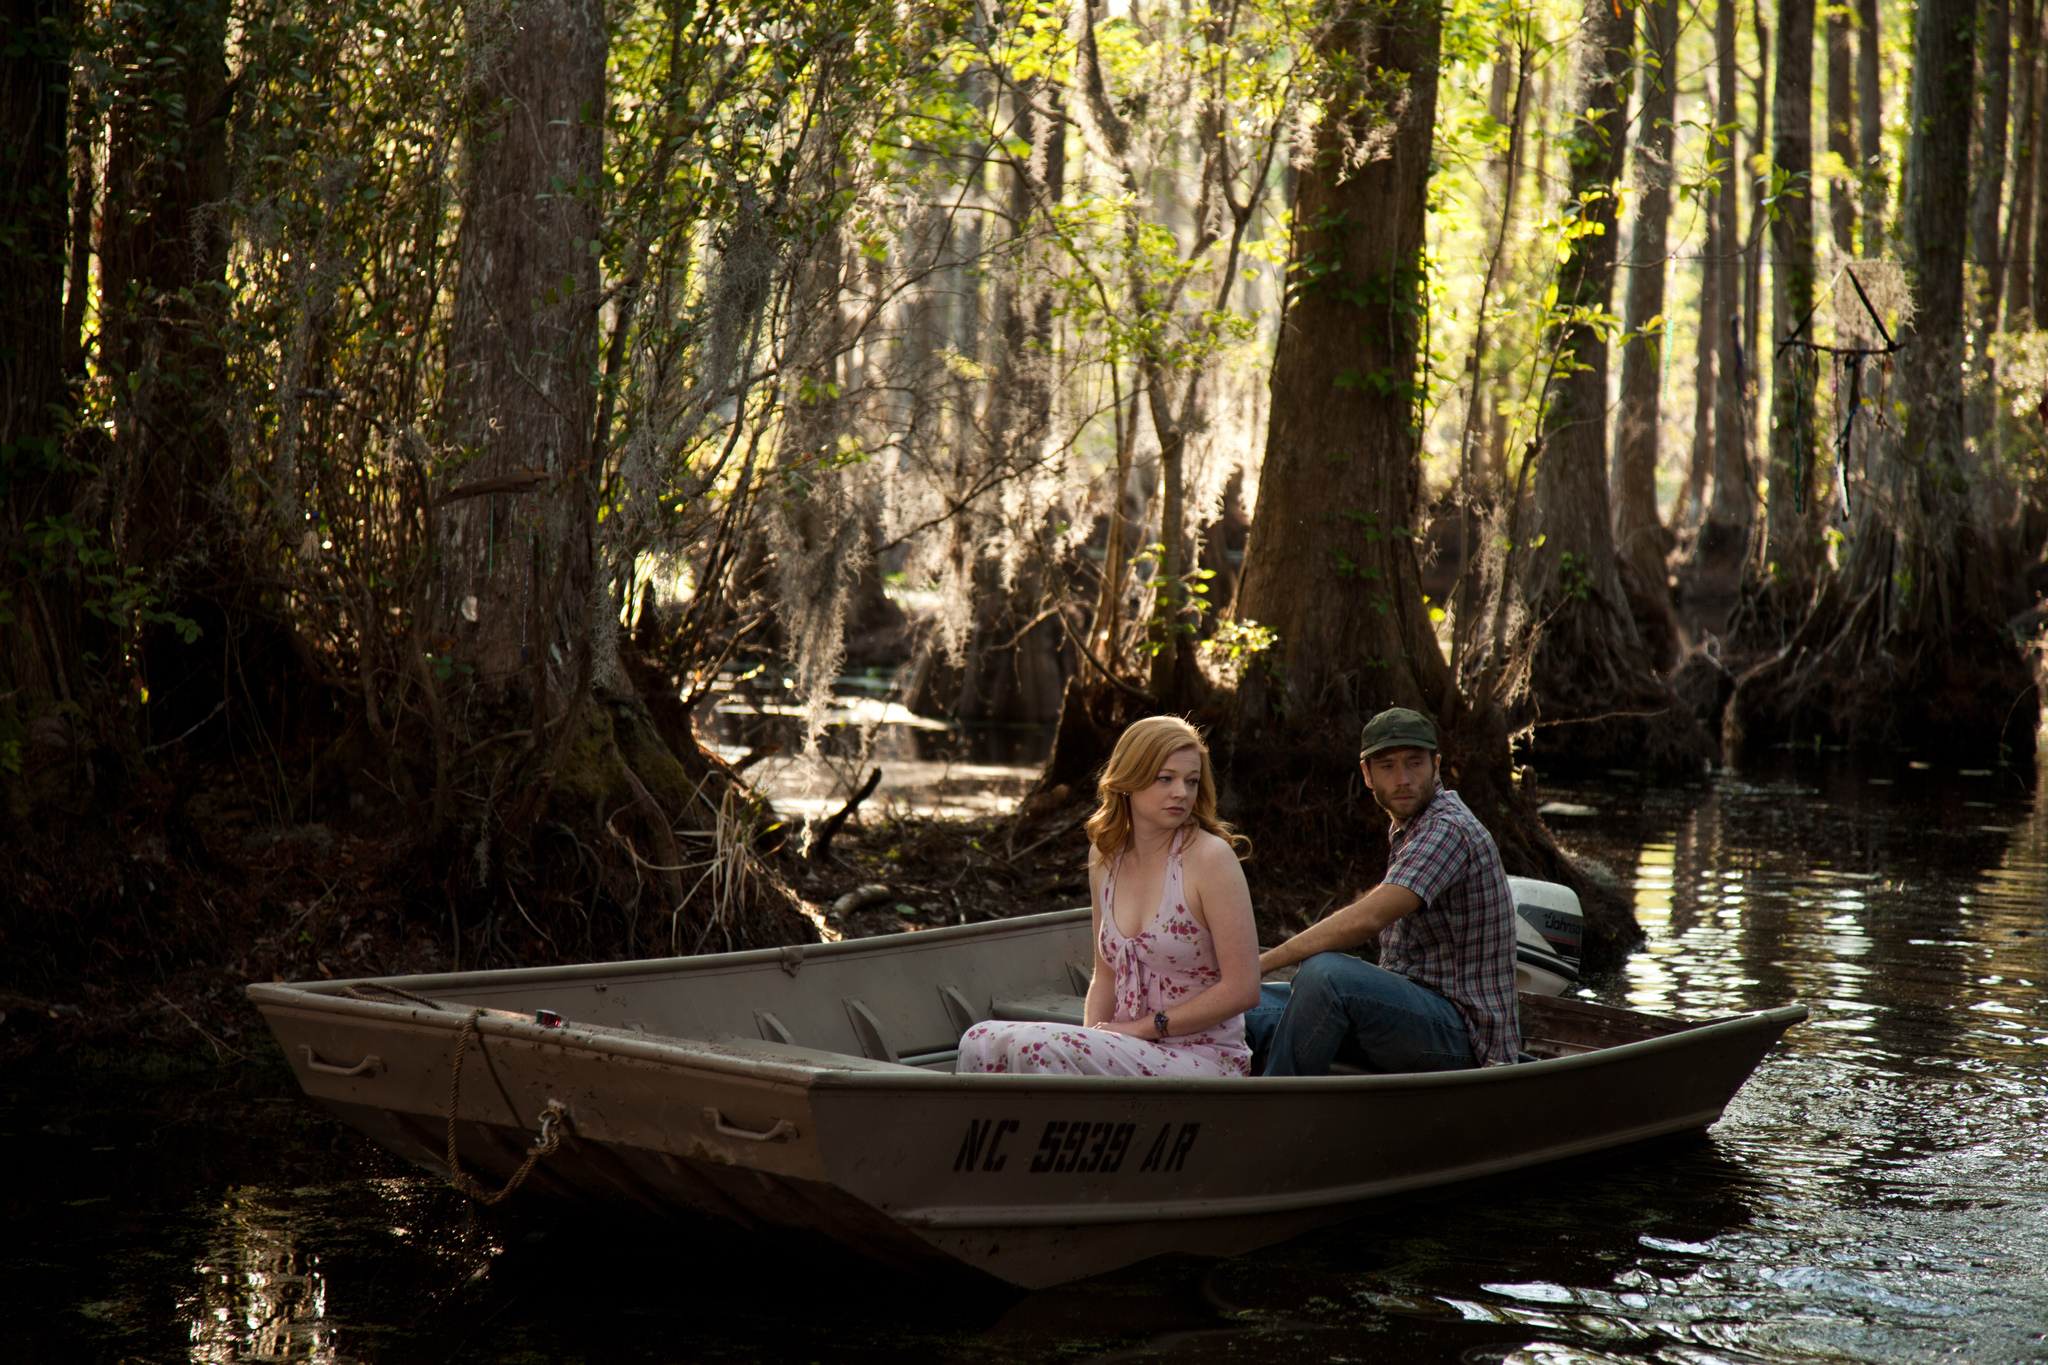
(698,1053)
(628,968)
(740,1057)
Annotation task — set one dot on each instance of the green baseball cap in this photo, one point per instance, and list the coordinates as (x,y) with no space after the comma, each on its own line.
(1397,727)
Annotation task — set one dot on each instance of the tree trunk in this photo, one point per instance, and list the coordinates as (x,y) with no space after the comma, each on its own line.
(1706,344)
(2018,248)
(34,386)
(1641,541)
(1794,550)
(2036,298)
(1870,127)
(1724,536)
(515,574)
(1510,173)
(1994,85)
(1908,645)
(163,251)
(1331,564)
(1589,661)
(1993,90)
(161,257)
(34,204)
(1842,128)
(1010,673)
(1759,213)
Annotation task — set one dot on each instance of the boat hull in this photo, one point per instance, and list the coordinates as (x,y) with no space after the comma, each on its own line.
(1031,1180)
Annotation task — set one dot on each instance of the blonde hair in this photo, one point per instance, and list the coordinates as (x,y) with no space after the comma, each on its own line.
(1135,763)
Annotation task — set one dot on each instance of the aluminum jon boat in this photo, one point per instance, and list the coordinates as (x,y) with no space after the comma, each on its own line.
(811,1088)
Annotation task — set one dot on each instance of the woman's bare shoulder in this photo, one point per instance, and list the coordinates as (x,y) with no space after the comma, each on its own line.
(1206,851)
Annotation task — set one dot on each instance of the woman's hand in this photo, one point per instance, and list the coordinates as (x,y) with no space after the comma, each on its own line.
(1130,1028)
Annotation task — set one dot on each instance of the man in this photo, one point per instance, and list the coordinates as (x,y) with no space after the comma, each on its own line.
(1443,996)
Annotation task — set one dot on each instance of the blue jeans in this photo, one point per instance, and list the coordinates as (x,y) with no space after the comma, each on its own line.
(1339,1009)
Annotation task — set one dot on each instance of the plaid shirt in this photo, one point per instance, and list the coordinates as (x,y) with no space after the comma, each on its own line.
(1461,942)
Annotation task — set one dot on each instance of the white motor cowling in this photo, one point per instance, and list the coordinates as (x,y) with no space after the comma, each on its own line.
(1549,930)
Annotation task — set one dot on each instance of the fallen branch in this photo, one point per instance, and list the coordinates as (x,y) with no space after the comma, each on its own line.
(1043,839)
(218,1046)
(500,483)
(822,844)
(861,897)
(755,755)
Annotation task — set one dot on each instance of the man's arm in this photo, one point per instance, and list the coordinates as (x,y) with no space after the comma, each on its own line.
(1346,928)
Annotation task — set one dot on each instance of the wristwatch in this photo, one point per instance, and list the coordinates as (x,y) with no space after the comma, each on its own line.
(1159,1022)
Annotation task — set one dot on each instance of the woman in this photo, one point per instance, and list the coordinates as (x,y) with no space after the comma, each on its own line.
(1176,952)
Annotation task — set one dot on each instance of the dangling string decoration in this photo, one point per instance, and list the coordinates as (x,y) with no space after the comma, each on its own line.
(1854,364)
(1850,357)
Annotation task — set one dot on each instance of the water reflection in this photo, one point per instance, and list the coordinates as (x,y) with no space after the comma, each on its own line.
(1879,1192)
(929,767)
(259,1296)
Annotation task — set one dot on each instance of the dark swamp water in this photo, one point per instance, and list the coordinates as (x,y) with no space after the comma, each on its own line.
(1879,1192)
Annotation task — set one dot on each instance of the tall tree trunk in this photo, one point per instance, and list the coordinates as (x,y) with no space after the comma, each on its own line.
(1936,198)
(1641,540)
(2036,299)
(2018,248)
(1511,192)
(1507,104)
(1994,85)
(1794,546)
(1907,644)
(1841,33)
(1589,661)
(1870,127)
(1759,212)
(34,386)
(1011,673)
(516,568)
(163,250)
(1724,536)
(1331,564)
(1706,344)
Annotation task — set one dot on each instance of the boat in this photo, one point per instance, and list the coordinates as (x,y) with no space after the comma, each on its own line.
(809,1089)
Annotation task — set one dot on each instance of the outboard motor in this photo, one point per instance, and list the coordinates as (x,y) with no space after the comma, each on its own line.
(1549,930)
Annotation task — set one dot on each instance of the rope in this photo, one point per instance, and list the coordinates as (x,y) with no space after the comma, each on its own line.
(546,1144)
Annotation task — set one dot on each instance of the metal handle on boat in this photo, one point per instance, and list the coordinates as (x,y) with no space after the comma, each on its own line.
(369,1066)
(782,1130)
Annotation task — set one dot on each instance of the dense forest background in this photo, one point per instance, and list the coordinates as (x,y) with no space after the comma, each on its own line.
(411,416)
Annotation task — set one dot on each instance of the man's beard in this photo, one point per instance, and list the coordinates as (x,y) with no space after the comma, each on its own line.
(1420,800)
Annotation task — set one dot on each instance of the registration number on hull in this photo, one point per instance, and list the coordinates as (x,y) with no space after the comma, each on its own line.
(1077,1146)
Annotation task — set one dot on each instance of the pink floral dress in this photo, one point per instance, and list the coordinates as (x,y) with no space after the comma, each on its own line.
(1171,961)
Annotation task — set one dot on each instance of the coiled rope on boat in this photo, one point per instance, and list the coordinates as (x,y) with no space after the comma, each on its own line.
(546,1144)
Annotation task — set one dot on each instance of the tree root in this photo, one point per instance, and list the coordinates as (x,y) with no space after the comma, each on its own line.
(1846,678)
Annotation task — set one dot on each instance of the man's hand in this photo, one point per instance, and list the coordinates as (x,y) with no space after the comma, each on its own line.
(1344,929)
